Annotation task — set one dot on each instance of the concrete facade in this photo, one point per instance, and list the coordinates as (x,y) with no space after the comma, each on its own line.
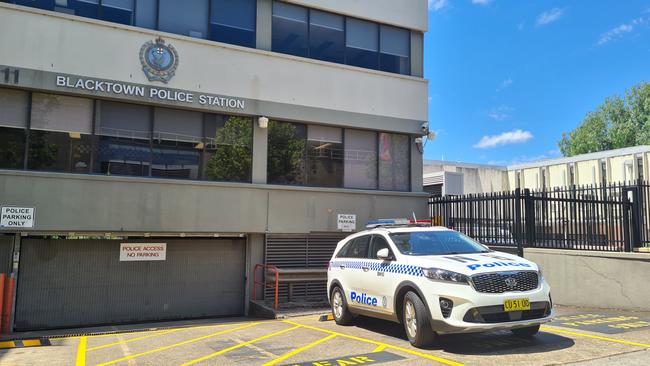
(580,278)
(476,178)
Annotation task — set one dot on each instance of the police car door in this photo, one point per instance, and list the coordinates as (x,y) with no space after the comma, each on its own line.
(378,281)
(351,272)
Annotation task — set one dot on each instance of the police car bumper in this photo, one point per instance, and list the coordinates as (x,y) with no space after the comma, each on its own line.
(479,312)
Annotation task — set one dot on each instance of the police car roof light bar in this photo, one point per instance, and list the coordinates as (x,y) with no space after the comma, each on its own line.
(396,222)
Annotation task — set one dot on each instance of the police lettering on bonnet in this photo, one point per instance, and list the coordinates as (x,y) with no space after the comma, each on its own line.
(434,281)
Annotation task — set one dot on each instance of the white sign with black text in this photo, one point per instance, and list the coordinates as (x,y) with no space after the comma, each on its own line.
(346,222)
(17,217)
(143,252)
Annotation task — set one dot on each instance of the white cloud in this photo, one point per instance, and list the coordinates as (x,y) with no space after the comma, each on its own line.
(620,31)
(506,138)
(437,5)
(500,113)
(481,2)
(504,84)
(549,16)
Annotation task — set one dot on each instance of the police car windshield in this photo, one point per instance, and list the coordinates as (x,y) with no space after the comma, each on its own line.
(436,243)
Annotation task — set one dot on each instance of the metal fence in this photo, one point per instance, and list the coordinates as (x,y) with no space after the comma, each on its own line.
(612,218)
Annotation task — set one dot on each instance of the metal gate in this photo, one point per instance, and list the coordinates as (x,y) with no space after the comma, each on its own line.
(69,283)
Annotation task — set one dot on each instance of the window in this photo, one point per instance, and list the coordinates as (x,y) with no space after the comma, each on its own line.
(146,14)
(286,153)
(362,44)
(324,156)
(326,36)
(357,248)
(228,148)
(187,18)
(177,143)
(290,29)
(436,243)
(61,134)
(233,21)
(378,243)
(360,159)
(394,160)
(124,140)
(118,11)
(13,121)
(395,50)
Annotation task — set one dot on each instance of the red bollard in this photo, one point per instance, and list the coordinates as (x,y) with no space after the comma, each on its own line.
(7,304)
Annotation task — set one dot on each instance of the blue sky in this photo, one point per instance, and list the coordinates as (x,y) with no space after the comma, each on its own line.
(508,77)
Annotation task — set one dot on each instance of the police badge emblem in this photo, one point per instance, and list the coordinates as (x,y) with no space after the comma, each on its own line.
(159,60)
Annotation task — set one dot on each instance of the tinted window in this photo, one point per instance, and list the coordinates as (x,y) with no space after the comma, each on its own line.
(118,11)
(395,49)
(12,148)
(360,159)
(394,159)
(228,148)
(187,18)
(286,153)
(146,13)
(378,243)
(324,156)
(290,29)
(326,36)
(435,243)
(41,4)
(357,248)
(233,21)
(362,44)
(177,143)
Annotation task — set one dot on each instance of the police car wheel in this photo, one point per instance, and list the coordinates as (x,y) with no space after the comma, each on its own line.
(526,332)
(340,312)
(416,322)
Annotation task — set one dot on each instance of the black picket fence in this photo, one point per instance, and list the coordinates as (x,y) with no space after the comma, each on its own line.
(613,218)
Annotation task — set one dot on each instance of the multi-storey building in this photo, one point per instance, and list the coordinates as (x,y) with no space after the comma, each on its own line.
(153,151)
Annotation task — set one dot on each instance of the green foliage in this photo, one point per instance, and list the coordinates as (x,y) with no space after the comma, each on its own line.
(617,123)
(232,160)
(286,153)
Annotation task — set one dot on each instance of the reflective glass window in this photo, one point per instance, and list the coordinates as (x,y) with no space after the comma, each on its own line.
(360,159)
(290,29)
(13,121)
(359,247)
(286,153)
(60,139)
(233,21)
(118,11)
(324,156)
(124,146)
(394,160)
(395,50)
(41,4)
(228,148)
(83,8)
(326,36)
(187,18)
(146,13)
(362,43)
(177,143)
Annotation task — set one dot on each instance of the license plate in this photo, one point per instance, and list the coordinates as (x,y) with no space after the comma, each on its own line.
(516,305)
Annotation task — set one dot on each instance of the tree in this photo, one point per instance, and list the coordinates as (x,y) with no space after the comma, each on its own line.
(232,160)
(617,123)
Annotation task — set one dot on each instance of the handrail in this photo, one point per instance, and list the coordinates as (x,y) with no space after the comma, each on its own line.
(265,283)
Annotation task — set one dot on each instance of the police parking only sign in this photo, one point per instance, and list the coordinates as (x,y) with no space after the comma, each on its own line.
(17,217)
(347,223)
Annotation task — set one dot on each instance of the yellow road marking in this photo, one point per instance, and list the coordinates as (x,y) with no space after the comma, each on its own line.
(405,350)
(178,344)
(9,344)
(239,346)
(81,352)
(560,331)
(298,350)
(31,342)
(133,339)
(379,348)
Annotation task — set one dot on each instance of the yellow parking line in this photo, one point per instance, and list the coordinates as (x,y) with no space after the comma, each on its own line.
(560,331)
(177,344)
(145,331)
(405,350)
(134,339)
(379,348)
(298,350)
(239,346)
(81,352)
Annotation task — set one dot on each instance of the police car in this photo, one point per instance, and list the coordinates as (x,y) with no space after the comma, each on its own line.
(435,281)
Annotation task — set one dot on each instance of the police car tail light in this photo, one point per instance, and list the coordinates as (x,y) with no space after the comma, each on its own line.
(437,274)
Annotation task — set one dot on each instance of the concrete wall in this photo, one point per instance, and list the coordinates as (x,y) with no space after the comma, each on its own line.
(557,175)
(476,178)
(86,203)
(412,14)
(588,172)
(592,279)
(59,43)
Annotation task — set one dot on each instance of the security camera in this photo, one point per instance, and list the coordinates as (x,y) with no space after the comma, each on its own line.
(263,122)
(425,128)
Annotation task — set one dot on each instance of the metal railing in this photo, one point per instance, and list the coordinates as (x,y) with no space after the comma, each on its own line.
(612,218)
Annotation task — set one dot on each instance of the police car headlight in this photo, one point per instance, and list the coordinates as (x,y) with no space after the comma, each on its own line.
(437,274)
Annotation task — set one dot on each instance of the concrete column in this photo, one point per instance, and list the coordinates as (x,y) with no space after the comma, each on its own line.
(417,54)
(260,146)
(254,255)
(264,24)
(416,167)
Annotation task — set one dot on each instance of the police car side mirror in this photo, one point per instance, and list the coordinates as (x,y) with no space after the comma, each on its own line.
(384,254)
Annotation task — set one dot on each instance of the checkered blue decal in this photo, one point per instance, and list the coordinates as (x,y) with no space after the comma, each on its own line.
(404,269)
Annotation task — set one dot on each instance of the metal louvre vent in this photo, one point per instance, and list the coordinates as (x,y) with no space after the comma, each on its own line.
(301,251)
(500,282)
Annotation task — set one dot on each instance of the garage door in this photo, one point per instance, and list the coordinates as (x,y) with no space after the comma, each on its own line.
(68,283)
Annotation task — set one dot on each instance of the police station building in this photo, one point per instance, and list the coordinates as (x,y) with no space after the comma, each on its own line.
(153,151)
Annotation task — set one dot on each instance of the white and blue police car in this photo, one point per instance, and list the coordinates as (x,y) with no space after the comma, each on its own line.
(434,281)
